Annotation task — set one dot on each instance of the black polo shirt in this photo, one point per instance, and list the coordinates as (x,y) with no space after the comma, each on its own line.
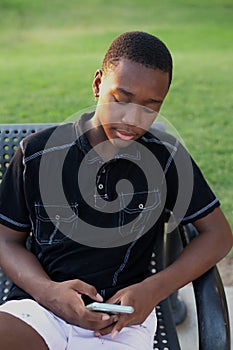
(94,220)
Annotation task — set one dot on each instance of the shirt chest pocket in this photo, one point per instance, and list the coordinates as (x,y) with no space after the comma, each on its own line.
(139,211)
(55,223)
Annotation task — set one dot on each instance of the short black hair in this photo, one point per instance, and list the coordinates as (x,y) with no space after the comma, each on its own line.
(139,47)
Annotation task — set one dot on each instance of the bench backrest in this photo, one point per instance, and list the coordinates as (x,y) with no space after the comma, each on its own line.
(10,137)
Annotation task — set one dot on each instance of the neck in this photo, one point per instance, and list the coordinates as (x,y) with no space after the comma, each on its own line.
(98,139)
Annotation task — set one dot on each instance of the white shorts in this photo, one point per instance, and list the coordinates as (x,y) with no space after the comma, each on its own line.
(60,335)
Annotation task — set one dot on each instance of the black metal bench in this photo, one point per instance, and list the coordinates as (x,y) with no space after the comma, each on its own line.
(212,312)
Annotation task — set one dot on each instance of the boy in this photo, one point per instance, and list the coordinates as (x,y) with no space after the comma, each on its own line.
(93,194)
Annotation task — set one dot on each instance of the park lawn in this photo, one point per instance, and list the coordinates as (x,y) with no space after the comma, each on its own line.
(51,49)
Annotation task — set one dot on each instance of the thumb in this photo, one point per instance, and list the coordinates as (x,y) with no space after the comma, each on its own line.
(87,289)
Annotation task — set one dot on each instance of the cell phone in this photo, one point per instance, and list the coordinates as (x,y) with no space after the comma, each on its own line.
(110,308)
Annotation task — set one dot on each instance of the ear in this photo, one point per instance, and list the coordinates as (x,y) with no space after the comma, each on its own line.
(96,82)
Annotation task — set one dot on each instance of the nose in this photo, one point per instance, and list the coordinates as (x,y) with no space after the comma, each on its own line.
(132,114)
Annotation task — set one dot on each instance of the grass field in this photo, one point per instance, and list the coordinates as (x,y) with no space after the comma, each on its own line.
(50,50)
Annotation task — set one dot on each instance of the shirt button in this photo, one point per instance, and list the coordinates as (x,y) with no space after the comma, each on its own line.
(57,217)
(100,186)
(140,206)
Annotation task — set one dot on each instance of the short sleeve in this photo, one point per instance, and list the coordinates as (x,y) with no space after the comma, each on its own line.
(13,208)
(189,196)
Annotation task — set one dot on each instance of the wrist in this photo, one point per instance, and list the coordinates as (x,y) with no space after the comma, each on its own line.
(44,291)
(159,286)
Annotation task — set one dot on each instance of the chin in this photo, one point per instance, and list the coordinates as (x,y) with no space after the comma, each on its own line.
(121,143)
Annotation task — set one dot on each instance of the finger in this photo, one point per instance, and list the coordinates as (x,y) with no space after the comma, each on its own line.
(115,299)
(87,289)
(97,316)
(104,331)
(118,326)
(103,319)
(108,329)
(98,322)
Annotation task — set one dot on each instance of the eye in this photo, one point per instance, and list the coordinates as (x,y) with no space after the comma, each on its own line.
(118,101)
(115,99)
(148,110)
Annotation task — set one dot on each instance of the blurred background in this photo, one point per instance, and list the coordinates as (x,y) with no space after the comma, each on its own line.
(49,51)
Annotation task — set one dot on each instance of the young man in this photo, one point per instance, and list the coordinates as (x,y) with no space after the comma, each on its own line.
(93,194)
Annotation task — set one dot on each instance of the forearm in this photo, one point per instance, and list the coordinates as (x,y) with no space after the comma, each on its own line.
(24,269)
(189,266)
(203,252)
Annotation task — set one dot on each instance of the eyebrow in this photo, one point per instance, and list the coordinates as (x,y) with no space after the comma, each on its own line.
(130,94)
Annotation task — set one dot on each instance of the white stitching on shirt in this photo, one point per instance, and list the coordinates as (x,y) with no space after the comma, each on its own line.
(13,222)
(128,155)
(123,264)
(52,149)
(171,157)
(167,145)
(201,210)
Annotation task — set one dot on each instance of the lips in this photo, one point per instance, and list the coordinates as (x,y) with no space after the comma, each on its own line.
(124,135)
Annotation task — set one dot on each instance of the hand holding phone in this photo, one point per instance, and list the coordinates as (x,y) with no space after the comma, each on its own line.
(110,308)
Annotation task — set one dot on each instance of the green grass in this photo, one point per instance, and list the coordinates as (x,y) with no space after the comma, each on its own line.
(51,49)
